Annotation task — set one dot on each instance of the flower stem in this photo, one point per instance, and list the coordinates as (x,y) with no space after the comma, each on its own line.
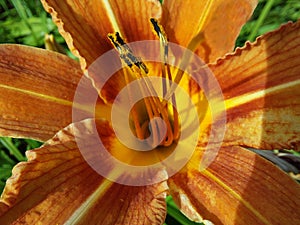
(261,19)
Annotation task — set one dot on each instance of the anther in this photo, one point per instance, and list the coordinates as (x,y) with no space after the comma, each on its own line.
(125,52)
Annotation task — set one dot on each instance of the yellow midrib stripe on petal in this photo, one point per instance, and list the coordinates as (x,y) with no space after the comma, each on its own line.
(111,16)
(239,100)
(39,95)
(104,113)
(79,214)
(236,195)
(204,16)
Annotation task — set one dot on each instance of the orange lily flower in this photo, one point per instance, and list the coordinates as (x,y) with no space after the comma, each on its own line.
(260,84)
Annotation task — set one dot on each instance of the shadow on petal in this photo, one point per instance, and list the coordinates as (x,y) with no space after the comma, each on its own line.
(272,118)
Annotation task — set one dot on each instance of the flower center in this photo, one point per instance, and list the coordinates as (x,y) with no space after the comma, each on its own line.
(144,114)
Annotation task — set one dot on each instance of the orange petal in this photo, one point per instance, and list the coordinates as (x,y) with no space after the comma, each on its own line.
(85,25)
(36,91)
(239,187)
(261,85)
(220,21)
(57,186)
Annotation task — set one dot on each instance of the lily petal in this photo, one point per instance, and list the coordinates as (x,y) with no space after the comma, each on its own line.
(239,187)
(182,20)
(85,24)
(261,85)
(36,91)
(57,186)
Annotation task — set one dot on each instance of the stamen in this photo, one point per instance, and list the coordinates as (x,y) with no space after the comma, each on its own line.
(138,128)
(153,104)
(192,46)
(162,37)
(128,57)
(164,52)
(126,53)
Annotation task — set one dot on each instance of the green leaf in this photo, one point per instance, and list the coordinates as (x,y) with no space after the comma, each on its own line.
(32,144)
(174,212)
(5,172)
(4,159)
(6,142)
